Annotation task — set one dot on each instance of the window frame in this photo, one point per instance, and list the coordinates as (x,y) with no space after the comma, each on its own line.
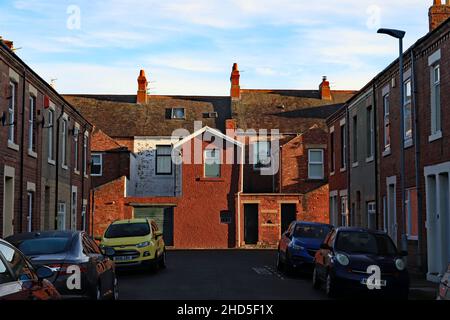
(332,153)
(310,177)
(436,106)
(387,121)
(64,133)
(205,157)
(257,164)
(31,124)
(370,133)
(173,111)
(157,156)
(94,155)
(76,151)
(343,150)
(371,210)
(51,135)
(355,139)
(12,112)
(407,105)
(61,214)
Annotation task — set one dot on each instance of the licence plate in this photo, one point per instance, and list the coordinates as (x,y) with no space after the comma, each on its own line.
(382,283)
(123,258)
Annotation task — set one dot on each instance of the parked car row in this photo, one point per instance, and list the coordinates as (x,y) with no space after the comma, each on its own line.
(345,259)
(70,264)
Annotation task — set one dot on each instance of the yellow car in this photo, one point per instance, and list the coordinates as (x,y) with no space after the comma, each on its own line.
(135,242)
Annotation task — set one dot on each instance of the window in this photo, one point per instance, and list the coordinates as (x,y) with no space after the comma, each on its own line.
(12,112)
(178,113)
(83,216)
(212,163)
(407,111)
(435,99)
(370,132)
(61,216)
(74,207)
(31,124)
(30,202)
(64,143)
(411,213)
(387,122)
(332,153)
(75,150)
(85,143)
(225,217)
(344,211)
(343,146)
(371,215)
(355,139)
(261,154)
(51,119)
(163,160)
(97,164)
(315,164)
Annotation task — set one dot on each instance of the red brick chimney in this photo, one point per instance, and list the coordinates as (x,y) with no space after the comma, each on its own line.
(324,89)
(142,88)
(438,13)
(235,92)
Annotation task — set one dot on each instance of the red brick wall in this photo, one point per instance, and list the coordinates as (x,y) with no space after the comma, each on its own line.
(115,165)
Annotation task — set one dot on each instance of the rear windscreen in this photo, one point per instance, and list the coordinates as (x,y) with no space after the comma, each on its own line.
(40,246)
(127,230)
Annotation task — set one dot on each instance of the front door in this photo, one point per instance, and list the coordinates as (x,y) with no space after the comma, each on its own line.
(288,214)
(251,223)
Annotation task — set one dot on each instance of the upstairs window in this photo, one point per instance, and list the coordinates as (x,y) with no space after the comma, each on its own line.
(97,164)
(355,139)
(387,122)
(261,154)
(50,127)
(435,99)
(332,153)
(315,164)
(163,160)
(12,112)
(343,147)
(178,113)
(64,143)
(31,125)
(212,163)
(370,132)
(407,111)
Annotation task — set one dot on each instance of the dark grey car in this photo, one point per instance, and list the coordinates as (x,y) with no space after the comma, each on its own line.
(81,269)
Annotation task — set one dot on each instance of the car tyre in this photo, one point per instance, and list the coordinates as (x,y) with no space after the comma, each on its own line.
(162,261)
(115,293)
(280,265)
(98,293)
(288,268)
(315,280)
(330,287)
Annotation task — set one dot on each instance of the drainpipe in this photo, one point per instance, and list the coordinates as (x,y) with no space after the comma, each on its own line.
(22,143)
(347,160)
(57,167)
(375,148)
(241,187)
(420,261)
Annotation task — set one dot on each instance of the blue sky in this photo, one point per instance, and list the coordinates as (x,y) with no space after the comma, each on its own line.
(188,46)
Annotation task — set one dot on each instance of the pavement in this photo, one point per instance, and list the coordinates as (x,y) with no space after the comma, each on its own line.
(229,275)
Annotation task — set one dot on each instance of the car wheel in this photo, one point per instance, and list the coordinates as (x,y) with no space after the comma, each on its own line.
(162,261)
(115,295)
(279,262)
(315,280)
(330,286)
(288,268)
(98,292)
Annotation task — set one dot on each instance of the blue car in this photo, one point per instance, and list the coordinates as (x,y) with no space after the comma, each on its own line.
(299,244)
(356,260)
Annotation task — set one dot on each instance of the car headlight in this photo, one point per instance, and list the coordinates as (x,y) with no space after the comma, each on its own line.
(143,244)
(400,264)
(342,259)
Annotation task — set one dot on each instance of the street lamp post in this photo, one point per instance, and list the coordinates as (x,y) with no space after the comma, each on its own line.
(399,34)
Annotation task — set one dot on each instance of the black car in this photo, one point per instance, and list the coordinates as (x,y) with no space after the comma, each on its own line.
(81,269)
(19,280)
(350,260)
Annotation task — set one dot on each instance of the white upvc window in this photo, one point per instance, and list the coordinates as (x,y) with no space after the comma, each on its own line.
(387,122)
(370,133)
(371,215)
(85,150)
(31,123)
(435,99)
(61,216)
(97,164)
(212,163)
(30,200)
(50,127)
(407,111)
(343,147)
(64,143)
(74,209)
(315,164)
(344,212)
(261,154)
(163,160)
(76,150)
(12,112)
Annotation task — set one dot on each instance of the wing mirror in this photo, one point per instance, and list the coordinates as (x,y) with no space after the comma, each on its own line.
(44,272)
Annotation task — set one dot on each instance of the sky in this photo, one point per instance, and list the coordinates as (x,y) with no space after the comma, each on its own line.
(187,47)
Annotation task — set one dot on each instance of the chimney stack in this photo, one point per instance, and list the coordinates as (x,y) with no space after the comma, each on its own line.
(235,92)
(142,88)
(8,43)
(438,13)
(324,89)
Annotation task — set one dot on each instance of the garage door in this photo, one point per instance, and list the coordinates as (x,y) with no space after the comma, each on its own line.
(162,216)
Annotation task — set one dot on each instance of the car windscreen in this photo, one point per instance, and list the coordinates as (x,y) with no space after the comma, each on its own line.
(365,243)
(39,246)
(127,230)
(311,231)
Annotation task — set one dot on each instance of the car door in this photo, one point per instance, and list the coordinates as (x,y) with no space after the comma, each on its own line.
(158,239)
(18,280)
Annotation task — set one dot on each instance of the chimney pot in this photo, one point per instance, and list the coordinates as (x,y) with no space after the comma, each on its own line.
(438,13)
(235,91)
(325,90)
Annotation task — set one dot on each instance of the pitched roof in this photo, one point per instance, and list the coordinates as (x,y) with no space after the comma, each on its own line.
(120,116)
(102,142)
(214,132)
(290,111)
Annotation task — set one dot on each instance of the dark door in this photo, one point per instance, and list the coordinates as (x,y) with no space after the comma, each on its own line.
(163,218)
(251,223)
(288,214)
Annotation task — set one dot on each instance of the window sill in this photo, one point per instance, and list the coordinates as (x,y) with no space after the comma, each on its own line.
(332,173)
(64,167)
(52,162)
(369,159)
(355,164)
(311,179)
(86,176)
(76,172)
(96,175)
(32,154)
(13,146)
(386,152)
(210,179)
(413,238)
(343,169)
(435,136)
(409,143)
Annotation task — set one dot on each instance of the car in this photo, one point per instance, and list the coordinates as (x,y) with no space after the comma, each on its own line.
(358,260)
(136,242)
(20,280)
(81,269)
(299,244)
(444,286)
